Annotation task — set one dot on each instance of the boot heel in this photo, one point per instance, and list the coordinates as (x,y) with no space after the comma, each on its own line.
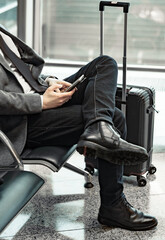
(88,152)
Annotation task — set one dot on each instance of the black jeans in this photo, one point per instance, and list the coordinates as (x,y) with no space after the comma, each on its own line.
(94,101)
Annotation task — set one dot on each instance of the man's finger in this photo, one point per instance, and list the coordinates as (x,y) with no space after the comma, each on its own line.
(56,86)
(64,82)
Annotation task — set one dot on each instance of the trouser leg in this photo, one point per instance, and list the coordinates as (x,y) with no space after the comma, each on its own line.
(55,127)
(97,92)
(111,182)
(61,128)
(95,98)
(111,175)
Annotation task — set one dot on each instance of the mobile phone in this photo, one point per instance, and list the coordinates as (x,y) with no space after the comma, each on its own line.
(75,84)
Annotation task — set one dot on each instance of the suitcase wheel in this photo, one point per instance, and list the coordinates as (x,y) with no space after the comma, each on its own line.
(88,185)
(152,169)
(142,181)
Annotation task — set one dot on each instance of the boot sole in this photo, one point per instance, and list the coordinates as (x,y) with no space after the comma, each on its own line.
(111,223)
(116,156)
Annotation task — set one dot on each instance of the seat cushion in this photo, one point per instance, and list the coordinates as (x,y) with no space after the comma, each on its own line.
(17,189)
(53,155)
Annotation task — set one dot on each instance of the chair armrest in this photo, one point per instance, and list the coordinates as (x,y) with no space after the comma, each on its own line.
(16,191)
(12,150)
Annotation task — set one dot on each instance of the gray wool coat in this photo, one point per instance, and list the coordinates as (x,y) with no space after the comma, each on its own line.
(14,104)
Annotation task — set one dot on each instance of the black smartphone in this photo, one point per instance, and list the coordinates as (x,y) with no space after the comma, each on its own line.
(75,84)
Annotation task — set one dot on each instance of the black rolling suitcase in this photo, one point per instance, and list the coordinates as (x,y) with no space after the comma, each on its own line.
(137,104)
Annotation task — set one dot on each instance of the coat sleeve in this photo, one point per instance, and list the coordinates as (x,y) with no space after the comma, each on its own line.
(12,103)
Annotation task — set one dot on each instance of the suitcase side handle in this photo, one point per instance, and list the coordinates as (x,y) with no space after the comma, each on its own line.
(124,5)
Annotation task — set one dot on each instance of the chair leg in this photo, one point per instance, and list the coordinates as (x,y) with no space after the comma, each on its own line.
(81,171)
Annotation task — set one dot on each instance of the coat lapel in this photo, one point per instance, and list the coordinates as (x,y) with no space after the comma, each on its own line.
(4,63)
(28,55)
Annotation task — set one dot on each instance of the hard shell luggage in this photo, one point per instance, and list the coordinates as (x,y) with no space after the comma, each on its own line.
(140,125)
(137,104)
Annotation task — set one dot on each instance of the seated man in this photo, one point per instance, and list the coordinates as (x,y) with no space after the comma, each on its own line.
(36,111)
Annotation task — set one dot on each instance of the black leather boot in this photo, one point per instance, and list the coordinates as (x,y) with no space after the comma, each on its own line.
(101,140)
(123,215)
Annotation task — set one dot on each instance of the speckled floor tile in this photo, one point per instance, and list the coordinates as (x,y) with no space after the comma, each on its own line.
(83,234)
(64,210)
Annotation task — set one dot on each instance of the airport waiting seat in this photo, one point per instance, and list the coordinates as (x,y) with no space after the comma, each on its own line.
(17,186)
(13,179)
(16,189)
(55,157)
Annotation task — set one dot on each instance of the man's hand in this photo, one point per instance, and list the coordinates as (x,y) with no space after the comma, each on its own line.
(55,97)
(53,81)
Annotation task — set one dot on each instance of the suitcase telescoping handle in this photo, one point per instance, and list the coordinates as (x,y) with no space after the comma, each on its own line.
(125,6)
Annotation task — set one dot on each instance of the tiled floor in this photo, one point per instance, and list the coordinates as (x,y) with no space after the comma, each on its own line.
(63,209)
